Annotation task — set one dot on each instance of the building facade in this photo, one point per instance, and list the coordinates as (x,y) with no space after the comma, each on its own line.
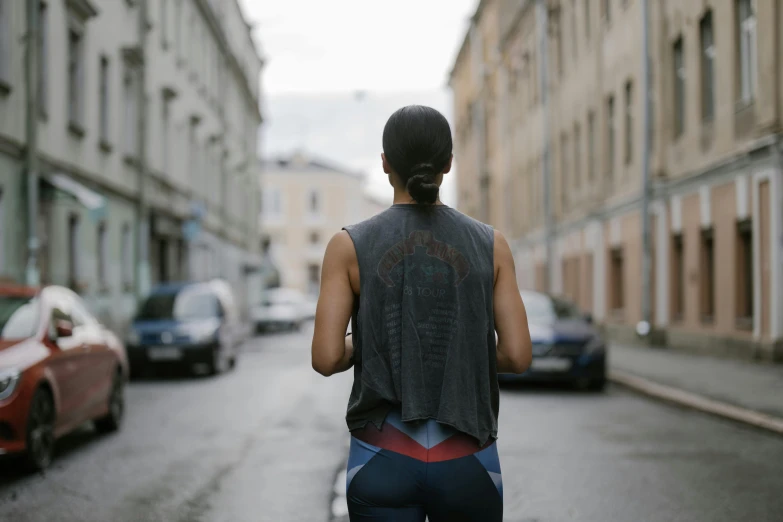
(146,119)
(550,137)
(305,202)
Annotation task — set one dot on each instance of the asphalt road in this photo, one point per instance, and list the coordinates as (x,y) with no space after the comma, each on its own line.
(260,443)
(263,443)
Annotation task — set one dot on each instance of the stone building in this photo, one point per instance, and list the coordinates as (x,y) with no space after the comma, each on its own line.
(716,107)
(188,86)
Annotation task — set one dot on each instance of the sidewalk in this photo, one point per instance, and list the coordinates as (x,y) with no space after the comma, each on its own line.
(720,385)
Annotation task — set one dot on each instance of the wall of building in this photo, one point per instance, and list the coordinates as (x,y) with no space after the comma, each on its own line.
(715,215)
(201,71)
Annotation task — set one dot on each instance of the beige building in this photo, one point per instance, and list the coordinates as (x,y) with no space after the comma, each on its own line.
(716,102)
(305,201)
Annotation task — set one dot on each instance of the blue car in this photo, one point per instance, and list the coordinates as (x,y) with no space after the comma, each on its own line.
(193,325)
(567,346)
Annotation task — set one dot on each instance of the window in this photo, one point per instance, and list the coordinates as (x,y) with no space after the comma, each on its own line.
(745,275)
(574,39)
(577,156)
(313,279)
(590,146)
(678,277)
(707,273)
(679,88)
(618,291)
(610,136)
(5,41)
(608,11)
(587,19)
(178,27)
(43,59)
(564,172)
(314,202)
(74,274)
(164,23)
(127,256)
(746,17)
(628,122)
(102,255)
(129,99)
(75,77)
(165,132)
(707,68)
(103,93)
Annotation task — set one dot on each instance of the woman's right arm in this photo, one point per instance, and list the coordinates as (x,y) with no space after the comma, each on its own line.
(514,349)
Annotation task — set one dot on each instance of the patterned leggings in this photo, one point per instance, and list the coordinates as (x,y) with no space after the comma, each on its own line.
(409,472)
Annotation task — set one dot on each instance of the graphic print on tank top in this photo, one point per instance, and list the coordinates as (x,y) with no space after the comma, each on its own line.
(422,276)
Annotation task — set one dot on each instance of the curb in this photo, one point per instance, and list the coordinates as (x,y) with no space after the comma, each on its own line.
(697,402)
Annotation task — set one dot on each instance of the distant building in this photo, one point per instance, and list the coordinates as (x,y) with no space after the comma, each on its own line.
(305,202)
(715,158)
(199,71)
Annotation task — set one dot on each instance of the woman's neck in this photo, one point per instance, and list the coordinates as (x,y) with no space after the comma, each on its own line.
(401,197)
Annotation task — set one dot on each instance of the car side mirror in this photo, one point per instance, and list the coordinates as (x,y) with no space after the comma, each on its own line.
(589,318)
(63,328)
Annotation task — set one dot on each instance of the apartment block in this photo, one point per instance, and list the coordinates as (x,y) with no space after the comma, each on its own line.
(565,165)
(146,145)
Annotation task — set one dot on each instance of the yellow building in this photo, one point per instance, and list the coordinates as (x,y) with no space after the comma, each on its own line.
(716,103)
(305,201)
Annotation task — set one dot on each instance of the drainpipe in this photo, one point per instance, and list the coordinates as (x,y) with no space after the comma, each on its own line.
(543,66)
(142,230)
(31,151)
(645,326)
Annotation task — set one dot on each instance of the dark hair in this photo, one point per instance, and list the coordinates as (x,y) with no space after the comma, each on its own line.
(417,144)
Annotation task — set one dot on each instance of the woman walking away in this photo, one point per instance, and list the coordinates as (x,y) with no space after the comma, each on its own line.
(425,288)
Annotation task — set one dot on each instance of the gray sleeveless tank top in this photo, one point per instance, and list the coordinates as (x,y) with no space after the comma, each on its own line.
(423,327)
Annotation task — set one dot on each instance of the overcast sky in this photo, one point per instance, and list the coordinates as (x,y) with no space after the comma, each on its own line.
(320,53)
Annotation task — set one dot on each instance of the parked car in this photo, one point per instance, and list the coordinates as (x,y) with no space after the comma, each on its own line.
(195,325)
(567,347)
(281,309)
(59,367)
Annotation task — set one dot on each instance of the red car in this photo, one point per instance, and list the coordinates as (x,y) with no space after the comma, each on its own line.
(59,367)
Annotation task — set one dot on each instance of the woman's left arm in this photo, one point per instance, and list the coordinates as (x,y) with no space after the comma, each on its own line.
(332,352)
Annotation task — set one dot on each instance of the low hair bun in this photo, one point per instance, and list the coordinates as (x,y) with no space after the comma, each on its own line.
(421,184)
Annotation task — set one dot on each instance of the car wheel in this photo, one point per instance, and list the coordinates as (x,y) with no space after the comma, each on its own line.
(40,431)
(111,421)
(214,367)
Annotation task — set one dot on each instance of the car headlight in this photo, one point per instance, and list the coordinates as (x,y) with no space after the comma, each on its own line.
(134,339)
(595,345)
(9,380)
(202,333)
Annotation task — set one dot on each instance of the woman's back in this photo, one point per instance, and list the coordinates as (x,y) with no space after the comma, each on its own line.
(423,330)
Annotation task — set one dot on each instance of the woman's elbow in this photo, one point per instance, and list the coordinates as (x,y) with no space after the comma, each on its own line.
(322,362)
(323,366)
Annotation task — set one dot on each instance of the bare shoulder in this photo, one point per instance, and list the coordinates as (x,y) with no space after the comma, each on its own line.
(341,247)
(502,249)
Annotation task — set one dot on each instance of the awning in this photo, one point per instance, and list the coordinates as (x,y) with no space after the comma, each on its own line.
(91,200)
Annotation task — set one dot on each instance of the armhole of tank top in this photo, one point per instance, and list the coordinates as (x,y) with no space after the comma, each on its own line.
(358,262)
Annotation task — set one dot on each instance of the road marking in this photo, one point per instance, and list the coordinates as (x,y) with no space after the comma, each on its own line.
(698,402)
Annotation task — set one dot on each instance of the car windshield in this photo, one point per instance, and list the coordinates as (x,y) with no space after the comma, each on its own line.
(18,317)
(185,304)
(541,308)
